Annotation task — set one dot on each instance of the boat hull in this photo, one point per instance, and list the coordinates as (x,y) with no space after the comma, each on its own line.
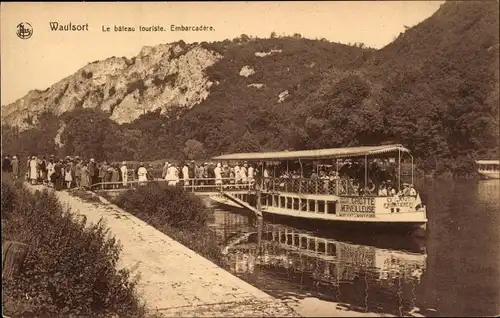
(490,174)
(414,227)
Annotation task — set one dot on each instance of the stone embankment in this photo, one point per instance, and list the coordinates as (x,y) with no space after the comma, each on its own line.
(174,280)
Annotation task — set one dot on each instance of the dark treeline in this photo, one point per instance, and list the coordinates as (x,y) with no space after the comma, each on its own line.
(433,89)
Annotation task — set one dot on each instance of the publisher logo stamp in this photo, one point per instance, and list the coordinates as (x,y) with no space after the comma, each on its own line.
(24,30)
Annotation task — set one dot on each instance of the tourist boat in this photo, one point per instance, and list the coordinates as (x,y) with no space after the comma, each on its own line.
(333,201)
(489,169)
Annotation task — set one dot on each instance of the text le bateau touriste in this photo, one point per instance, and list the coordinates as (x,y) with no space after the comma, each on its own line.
(61,27)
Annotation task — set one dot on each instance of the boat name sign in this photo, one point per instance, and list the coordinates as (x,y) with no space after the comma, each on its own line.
(357,207)
(399,202)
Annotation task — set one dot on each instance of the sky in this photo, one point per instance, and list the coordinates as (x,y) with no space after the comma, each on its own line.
(49,56)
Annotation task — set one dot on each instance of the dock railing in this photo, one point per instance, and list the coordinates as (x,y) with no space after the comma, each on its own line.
(338,187)
(192,185)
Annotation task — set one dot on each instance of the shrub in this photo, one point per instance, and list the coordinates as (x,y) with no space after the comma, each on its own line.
(159,203)
(70,268)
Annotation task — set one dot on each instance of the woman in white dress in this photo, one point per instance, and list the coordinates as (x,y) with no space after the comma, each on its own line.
(124,172)
(68,176)
(171,175)
(185,174)
(50,171)
(33,170)
(142,173)
(243,174)
(218,175)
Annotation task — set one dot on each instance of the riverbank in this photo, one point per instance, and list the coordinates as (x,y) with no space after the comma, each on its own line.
(174,280)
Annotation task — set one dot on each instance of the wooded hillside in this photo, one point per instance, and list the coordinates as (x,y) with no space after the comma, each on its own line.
(433,89)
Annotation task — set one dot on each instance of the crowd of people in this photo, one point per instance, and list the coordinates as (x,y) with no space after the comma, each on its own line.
(76,172)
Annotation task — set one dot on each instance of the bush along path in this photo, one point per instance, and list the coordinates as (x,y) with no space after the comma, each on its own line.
(173,280)
(70,268)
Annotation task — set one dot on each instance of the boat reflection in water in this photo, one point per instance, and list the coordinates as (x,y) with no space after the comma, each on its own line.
(289,263)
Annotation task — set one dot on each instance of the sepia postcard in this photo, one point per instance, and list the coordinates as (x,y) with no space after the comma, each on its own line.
(250,159)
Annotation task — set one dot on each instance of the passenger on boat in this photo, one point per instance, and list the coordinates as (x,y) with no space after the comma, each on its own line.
(243,173)
(267,181)
(225,174)
(412,191)
(251,174)
(232,176)
(370,188)
(355,186)
(390,189)
(237,175)
(406,190)
(382,191)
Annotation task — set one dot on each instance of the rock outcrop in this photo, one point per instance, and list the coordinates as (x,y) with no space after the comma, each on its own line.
(158,78)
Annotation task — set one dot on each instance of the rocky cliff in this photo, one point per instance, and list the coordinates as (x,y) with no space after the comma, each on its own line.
(157,78)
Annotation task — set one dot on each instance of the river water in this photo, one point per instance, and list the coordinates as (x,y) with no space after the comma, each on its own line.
(454,271)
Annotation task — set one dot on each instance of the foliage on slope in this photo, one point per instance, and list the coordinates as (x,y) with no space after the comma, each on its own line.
(71,266)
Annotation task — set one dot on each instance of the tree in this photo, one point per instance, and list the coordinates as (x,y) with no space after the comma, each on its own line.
(193,149)
(247,143)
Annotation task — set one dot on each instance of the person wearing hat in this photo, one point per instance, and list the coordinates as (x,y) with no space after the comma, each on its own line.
(185,174)
(243,173)
(142,173)
(205,173)
(92,171)
(15,167)
(382,190)
(412,192)
(218,175)
(33,166)
(84,176)
(390,189)
(164,170)
(406,190)
(6,164)
(55,176)
(237,175)
(78,171)
(199,174)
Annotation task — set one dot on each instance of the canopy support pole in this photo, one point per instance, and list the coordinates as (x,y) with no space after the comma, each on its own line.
(399,169)
(411,169)
(366,170)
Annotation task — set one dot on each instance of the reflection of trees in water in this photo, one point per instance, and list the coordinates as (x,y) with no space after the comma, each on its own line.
(367,278)
(488,191)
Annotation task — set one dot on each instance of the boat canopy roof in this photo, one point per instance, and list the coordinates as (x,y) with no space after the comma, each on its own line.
(488,162)
(314,154)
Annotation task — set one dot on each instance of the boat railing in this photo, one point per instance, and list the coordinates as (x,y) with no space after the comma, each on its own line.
(488,167)
(310,186)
